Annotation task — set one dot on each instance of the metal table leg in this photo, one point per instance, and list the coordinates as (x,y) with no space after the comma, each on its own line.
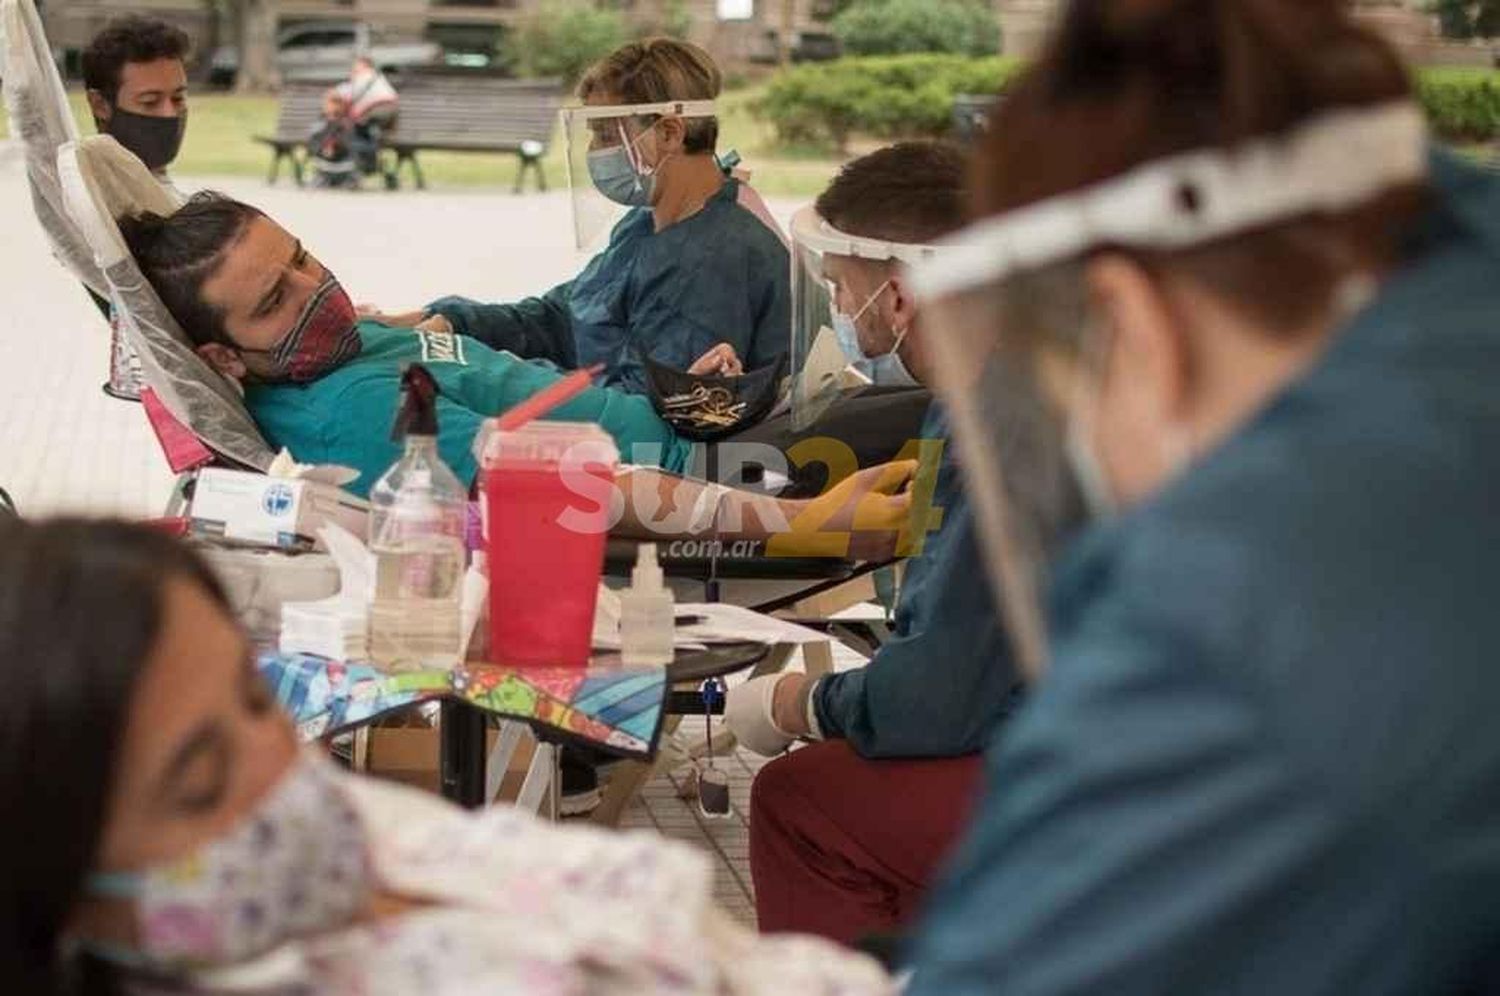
(461,753)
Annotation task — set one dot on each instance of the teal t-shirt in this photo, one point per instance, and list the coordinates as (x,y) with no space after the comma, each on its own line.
(345,416)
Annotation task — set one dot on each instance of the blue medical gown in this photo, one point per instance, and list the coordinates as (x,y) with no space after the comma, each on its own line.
(945,679)
(1266,757)
(720,275)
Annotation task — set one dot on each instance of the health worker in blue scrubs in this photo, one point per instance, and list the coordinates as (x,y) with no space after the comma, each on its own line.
(695,275)
(1261,752)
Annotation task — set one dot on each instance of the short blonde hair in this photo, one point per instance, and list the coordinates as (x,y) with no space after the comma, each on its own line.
(654,70)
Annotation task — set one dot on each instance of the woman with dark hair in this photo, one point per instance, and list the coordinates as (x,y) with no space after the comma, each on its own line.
(163,833)
(134,725)
(1259,315)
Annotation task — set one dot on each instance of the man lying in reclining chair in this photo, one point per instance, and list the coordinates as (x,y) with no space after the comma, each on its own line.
(846,834)
(264,312)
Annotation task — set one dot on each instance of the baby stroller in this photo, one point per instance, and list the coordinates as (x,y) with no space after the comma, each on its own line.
(345,145)
(330,147)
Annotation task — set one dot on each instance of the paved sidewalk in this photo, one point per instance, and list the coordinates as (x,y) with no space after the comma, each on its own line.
(661,806)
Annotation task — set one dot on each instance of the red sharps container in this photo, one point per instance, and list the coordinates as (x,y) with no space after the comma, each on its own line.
(548,488)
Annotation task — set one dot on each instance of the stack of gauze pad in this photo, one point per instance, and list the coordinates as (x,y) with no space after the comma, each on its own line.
(325,629)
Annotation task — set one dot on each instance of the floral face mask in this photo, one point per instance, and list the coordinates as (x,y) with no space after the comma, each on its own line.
(297,865)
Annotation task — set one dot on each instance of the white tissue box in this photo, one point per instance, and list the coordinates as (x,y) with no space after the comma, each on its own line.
(337,626)
(260,582)
(285,513)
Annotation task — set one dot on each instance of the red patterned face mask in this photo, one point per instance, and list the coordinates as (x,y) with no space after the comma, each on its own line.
(323,338)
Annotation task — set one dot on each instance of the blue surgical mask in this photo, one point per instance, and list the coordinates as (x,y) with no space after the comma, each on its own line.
(885,370)
(848,337)
(616,175)
(890,371)
(616,178)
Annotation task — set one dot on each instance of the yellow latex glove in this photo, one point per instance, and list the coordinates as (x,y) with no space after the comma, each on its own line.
(864,517)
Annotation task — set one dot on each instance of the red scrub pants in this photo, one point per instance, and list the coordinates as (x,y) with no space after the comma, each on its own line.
(844,847)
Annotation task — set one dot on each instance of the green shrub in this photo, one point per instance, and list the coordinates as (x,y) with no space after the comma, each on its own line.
(895,27)
(565,39)
(1463,105)
(911,96)
(901,96)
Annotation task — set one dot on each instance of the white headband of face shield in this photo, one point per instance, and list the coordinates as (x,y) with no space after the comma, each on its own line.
(1332,163)
(811,231)
(666,108)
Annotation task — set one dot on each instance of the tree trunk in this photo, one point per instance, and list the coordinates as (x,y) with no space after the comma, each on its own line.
(255,30)
(788,31)
(1487,20)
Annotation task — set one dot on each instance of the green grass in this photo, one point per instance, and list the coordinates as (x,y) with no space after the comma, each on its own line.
(220,143)
(1459,74)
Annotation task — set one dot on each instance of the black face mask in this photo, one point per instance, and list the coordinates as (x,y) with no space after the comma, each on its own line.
(155,141)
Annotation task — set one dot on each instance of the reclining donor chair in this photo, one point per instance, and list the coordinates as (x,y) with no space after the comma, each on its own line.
(197,414)
(198,418)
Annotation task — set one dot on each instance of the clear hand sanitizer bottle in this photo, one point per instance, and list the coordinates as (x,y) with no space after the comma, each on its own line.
(646,621)
(417,519)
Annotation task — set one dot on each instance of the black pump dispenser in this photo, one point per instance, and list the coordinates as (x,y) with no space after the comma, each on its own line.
(417,415)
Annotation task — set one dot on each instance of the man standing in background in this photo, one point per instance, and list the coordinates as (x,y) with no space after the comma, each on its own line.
(136,82)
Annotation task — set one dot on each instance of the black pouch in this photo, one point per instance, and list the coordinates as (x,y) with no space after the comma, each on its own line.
(705,408)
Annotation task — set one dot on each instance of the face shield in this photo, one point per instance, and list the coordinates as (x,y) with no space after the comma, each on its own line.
(1017,355)
(841,339)
(614,159)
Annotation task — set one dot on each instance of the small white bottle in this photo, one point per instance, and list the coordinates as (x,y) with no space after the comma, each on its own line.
(646,621)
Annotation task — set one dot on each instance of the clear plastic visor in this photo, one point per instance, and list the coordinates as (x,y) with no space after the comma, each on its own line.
(1008,359)
(1020,361)
(613,158)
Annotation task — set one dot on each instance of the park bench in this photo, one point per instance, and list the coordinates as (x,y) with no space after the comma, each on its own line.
(464,113)
(299,111)
(440,112)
